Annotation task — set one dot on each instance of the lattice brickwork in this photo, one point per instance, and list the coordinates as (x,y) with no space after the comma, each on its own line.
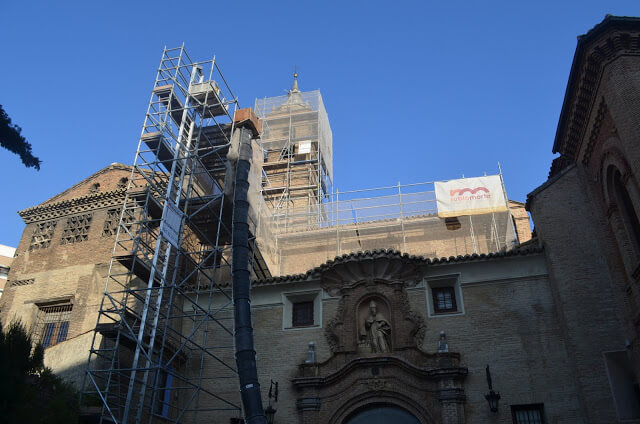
(77,228)
(110,227)
(42,235)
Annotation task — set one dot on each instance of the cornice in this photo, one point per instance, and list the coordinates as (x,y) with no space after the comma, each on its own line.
(406,260)
(47,211)
(367,362)
(614,37)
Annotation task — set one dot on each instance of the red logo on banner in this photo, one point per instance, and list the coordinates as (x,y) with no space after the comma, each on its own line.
(461,191)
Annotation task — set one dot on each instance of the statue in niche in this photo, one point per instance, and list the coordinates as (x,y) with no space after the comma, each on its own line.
(375,331)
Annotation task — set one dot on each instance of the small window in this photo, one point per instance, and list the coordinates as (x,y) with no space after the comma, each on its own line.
(444,296)
(528,414)
(287,153)
(164,394)
(444,299)
(302,314)
(122,184)
(94,188)
(452,224)
(52,324)
(301,310)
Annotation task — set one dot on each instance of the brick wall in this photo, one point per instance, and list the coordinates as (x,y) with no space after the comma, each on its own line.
(568,225)
(73,272)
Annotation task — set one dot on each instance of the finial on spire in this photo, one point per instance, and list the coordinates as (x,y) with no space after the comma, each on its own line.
(295,97)
(294,87)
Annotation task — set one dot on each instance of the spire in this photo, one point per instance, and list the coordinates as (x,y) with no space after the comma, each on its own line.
(295,97)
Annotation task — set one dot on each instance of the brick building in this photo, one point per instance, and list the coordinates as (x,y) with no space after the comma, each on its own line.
(586,218)
(392,317)
(6,258)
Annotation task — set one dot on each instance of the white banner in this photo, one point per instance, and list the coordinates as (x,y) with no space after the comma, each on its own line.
(470,196)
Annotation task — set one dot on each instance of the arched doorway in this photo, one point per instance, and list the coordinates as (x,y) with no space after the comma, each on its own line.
(381,414)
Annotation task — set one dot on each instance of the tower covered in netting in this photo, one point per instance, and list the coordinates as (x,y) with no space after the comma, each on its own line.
(297,141)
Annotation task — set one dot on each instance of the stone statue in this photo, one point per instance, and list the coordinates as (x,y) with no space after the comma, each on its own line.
(376,330)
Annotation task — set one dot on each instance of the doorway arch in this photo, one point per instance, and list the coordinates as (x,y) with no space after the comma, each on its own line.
(381,413)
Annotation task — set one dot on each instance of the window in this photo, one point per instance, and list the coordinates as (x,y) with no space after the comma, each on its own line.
(444,299)
(444,296)
(625,206)
(452,224)
(94,188)
(302,310)
(42,235)
(302,314)
(528,414)
(52,324)
(163,402)
(77,229)
(122,184)
(287,153)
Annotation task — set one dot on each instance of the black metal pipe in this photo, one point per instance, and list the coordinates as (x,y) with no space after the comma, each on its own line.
(240,274)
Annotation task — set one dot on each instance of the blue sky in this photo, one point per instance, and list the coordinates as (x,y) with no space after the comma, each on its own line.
(415,91)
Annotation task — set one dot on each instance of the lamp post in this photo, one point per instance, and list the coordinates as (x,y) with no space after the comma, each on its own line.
(491,397)
(270,411)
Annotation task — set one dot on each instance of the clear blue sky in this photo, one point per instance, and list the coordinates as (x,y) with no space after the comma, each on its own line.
(415,91)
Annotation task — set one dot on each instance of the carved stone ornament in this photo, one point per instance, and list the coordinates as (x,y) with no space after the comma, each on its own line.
(376,345)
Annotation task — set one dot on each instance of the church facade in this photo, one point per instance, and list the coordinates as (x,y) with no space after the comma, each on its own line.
(544,331)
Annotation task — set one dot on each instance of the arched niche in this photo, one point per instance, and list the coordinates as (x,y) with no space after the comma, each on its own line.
(374,331)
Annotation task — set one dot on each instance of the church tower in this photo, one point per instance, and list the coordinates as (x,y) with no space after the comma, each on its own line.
(298,163)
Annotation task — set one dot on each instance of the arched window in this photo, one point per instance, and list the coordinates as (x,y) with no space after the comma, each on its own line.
(619,195)
(381,414)
(94,188)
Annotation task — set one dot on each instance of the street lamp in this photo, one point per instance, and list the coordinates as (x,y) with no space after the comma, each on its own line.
(269,414)
(491,397)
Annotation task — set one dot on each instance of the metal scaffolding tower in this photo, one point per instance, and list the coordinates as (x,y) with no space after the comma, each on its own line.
(165,312)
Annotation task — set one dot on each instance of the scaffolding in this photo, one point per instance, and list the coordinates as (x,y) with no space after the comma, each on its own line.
(167,309)
(298,157)
(399,217)
(163,347)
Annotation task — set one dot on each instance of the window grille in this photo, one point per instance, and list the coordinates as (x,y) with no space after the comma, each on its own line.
(110,227)
(52,324)
(302,314)
(444,299)
(42,235)
(527,414)
(26,282)
(77,229)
